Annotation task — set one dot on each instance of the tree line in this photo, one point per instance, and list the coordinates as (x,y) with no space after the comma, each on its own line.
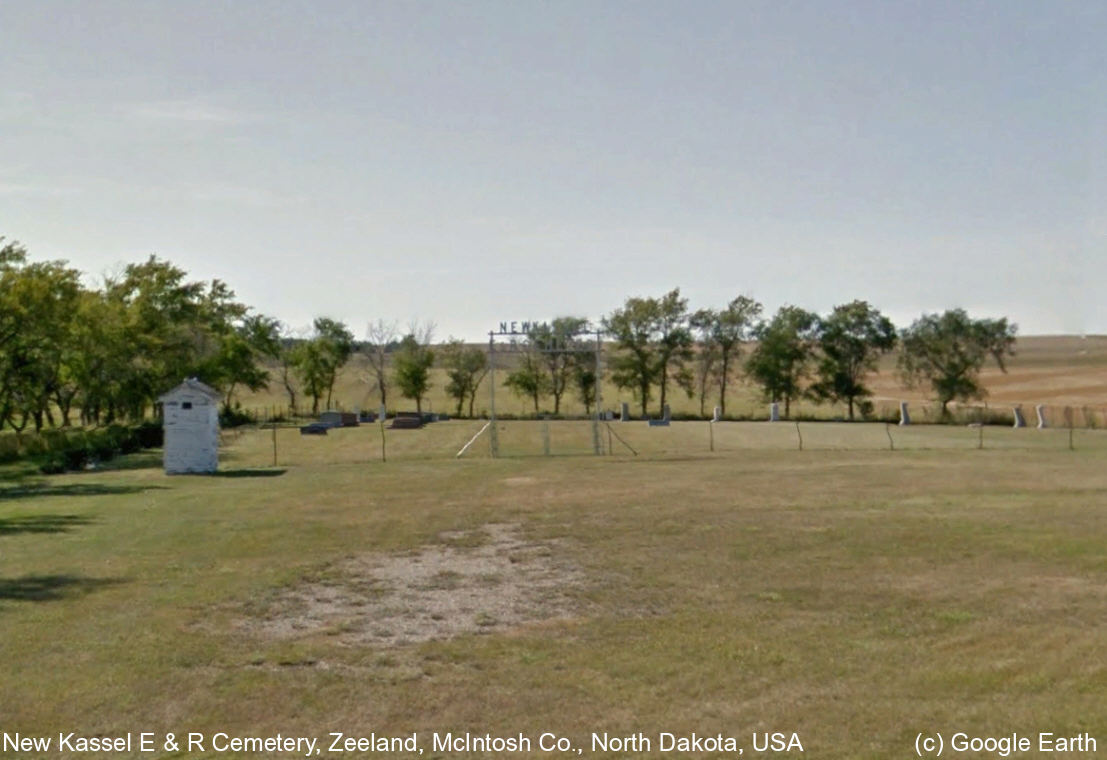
(661,346)
(796,353)
(96,355)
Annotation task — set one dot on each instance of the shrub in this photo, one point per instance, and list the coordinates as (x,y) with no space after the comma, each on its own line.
(75,458)
(60,451)
(52,464)
(235,416)
(150,434)
(125,439)
(9,448)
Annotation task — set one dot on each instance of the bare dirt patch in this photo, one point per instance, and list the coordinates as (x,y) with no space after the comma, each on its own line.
(480,581)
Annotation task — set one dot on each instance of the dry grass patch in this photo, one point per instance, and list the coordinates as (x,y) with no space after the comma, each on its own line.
(471,582)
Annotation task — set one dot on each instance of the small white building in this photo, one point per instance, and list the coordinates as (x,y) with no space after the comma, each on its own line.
(190,415)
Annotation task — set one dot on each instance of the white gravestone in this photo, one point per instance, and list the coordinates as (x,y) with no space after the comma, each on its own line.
(904,417)
(1040,409)
(718,415)
(774,412)
(1020,421)
(624,412)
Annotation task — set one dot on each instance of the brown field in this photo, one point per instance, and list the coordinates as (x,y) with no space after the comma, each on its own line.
(1055,370)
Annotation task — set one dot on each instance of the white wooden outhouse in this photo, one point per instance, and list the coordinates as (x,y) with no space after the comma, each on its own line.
(191,421)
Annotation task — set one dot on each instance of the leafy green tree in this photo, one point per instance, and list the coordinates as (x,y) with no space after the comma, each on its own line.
(674,344)
(317,360)
(13,314)
(411,365)
(240,352)
(177,328)
(163,322)
(654,345)
(554,345)
(287,366)
(779,362)
(850,340)
(86,346)
(101,357)
(529,378)
(583,379)
(465,367)
(948,350)
(38,303)
(706,370)
(721,336)
(337,344)
(634,367)
(309,364)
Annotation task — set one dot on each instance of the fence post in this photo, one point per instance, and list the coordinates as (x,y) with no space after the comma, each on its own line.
(383,458)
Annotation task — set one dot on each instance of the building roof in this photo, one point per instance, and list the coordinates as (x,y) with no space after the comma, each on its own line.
(191,384)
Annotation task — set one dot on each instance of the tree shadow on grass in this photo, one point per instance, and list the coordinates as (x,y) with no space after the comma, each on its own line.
(17,472)
(142,460)
(50,588)
(30,490)
(250,472)
(41,523)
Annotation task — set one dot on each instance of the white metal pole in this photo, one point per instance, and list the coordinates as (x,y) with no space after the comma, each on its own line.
(596,443)
(494,438)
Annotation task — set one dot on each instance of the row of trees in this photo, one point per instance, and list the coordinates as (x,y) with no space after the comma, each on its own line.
(105,353)
(97,355)
(312,363)
(796,353)
(660,345)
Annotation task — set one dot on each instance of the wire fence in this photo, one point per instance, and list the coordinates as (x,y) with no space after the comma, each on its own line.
(285,445)
(1089,416)
(270,435)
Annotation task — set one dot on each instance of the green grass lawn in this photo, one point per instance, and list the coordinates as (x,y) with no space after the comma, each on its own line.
(850,593)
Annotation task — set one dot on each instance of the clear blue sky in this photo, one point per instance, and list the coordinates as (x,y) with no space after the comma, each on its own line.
(468,162)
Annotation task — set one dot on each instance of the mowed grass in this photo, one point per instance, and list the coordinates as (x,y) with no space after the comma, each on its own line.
(850,593)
